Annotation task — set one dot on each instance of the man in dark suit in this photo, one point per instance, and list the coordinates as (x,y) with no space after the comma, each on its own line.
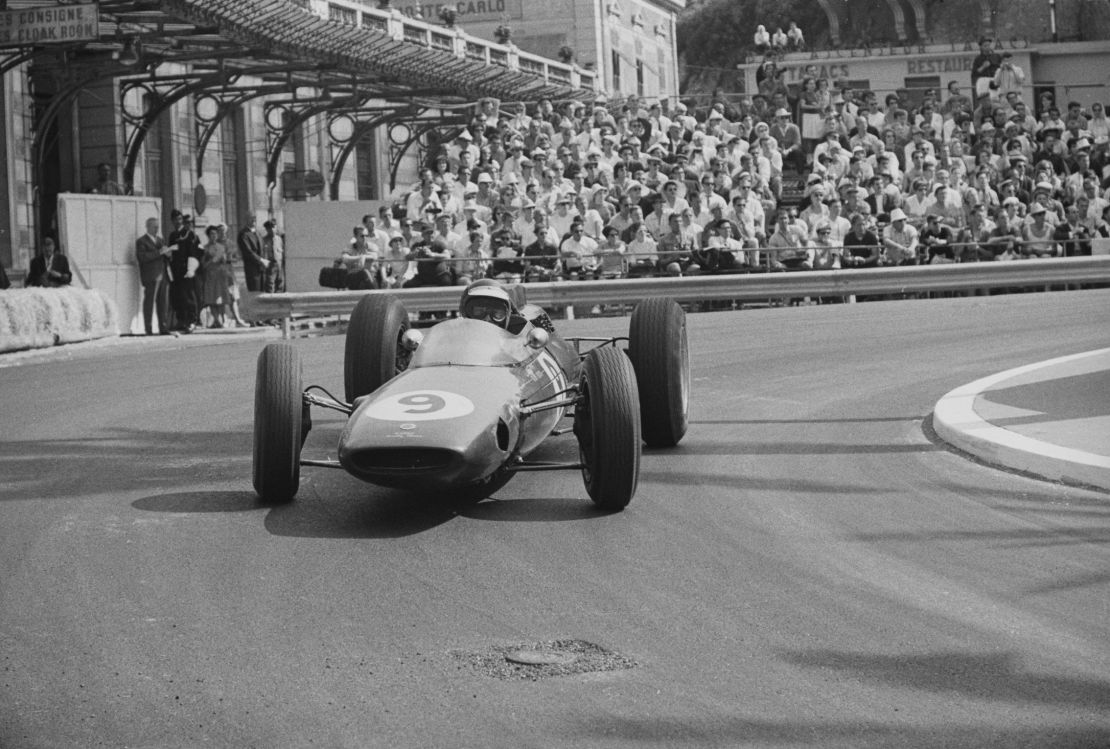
(184,261)
(273,249)
(250,249)
(153,256)
(50,268)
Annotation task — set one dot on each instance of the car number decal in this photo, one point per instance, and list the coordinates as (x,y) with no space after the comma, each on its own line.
(549,365)
(420,405)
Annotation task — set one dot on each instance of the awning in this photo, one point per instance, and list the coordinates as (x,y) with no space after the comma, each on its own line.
(381,51)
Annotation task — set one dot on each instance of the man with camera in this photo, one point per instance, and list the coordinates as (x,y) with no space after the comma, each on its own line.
(1008,78)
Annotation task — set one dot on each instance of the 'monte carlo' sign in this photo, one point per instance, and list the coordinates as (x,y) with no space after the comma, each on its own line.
(468,10)
(61,23)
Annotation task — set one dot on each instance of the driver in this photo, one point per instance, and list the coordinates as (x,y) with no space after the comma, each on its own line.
(489,303)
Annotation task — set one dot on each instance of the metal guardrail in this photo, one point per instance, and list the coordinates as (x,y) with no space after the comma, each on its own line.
(740,287)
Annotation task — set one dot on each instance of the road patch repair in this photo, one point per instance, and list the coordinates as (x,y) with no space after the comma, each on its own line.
(540,660)
(1050,419)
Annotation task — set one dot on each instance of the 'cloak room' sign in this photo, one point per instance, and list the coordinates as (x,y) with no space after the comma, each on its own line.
(59,24)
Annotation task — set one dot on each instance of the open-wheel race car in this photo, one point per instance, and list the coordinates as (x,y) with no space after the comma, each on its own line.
(459,407)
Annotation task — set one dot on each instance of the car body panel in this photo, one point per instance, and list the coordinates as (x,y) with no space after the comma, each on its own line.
(454,417)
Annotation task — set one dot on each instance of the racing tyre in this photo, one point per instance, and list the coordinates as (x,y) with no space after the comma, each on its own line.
(607,424)
(373,354)
(660,355)
(278,422)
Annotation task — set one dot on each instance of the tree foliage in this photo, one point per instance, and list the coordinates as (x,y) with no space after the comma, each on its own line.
(716,36)
(719,33)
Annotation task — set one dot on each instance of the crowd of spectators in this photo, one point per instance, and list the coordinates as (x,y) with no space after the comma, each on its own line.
(578,191)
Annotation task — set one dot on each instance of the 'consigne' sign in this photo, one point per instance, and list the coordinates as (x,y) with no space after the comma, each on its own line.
(57,24)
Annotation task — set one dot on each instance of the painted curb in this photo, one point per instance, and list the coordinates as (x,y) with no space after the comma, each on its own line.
(956,422)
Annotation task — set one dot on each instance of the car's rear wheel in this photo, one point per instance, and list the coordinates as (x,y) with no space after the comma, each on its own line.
(278,421)
(607,424)
(374,353)
(660,355)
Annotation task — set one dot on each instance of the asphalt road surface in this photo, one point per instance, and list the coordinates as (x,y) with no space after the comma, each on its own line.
(809,568)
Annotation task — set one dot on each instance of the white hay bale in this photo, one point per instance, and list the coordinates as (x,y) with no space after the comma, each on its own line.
(39,317)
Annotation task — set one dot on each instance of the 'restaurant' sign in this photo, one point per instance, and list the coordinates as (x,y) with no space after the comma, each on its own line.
(58,24)
(468,10)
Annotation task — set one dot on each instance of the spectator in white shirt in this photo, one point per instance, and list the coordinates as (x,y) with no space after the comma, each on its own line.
(795,39)
(900,240)
(762,39)
(1009,77)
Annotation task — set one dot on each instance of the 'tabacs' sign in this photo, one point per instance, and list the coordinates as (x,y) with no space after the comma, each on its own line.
(58,24)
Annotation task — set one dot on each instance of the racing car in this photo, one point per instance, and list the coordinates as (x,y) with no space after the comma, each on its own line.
(459,407)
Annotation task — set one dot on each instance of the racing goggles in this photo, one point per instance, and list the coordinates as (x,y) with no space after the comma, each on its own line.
(490,310)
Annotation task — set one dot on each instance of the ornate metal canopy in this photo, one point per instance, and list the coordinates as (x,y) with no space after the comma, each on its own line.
(225,52)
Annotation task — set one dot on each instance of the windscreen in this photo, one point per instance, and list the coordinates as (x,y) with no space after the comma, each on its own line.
(473,343)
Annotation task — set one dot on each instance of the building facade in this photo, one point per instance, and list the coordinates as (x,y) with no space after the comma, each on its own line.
(230,110)
(630,44)
(1070,71)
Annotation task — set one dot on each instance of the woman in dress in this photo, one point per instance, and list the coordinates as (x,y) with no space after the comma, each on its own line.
(442,172)
(809,96)
(214,275)
(234,278)
(620,180)
(823,95)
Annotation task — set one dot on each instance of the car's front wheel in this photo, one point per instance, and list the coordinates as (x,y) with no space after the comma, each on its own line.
(373,352)
(278,421)
(607,424)
(660,355)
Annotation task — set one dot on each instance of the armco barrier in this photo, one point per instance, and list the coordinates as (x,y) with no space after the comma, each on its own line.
(741,287)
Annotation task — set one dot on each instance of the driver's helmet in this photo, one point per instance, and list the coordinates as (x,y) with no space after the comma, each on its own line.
(489,303)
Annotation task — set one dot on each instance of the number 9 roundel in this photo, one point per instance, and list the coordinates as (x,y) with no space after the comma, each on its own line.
(420,405)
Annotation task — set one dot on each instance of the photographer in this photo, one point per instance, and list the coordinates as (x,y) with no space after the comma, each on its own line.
(431,257)
(983,68)
(1008,78)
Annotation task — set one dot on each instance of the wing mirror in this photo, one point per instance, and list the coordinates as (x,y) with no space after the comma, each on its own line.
(538,338)
(411,339)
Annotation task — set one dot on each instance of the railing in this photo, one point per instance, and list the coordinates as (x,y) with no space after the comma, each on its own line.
(476,51)
(752,287)
(443,42)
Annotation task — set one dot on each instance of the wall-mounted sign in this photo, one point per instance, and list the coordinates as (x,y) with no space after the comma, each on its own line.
(300,185)
(945,65)
(54,25)
(871,66)
(469,10)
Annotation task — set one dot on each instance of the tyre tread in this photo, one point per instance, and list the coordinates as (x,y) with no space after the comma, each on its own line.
(370,349)
(278,414)
(655,335)
(614,411)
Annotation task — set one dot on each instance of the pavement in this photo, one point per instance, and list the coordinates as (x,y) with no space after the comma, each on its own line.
(1050,419)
